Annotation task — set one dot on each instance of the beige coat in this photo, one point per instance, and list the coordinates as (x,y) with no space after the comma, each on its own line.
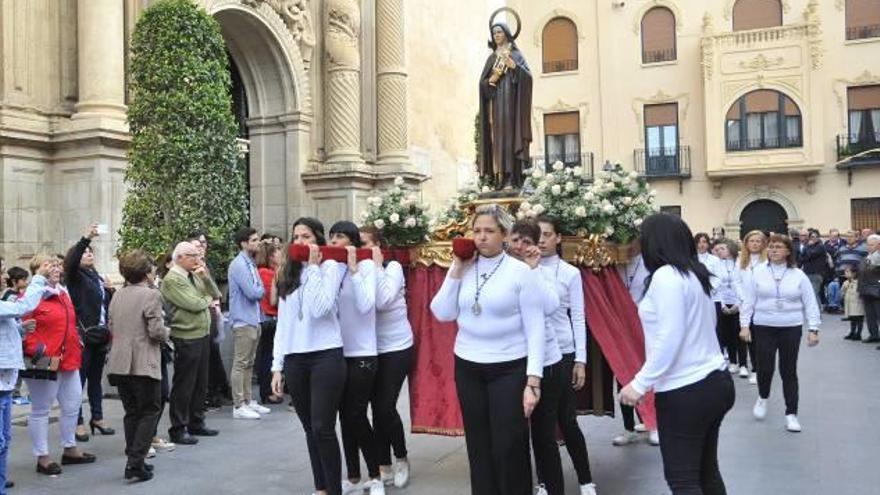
(138,327)
(852,302)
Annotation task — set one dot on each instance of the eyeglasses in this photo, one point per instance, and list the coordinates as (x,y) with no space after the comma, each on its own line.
(191,255)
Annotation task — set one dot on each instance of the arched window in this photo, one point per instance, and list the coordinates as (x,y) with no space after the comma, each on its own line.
(658,35)
(560,43)
(756,14)
(763,119)
(862,19)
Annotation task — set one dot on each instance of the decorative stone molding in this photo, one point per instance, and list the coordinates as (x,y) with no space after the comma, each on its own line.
(343,28)
(728,8)
(583,109)
(707,44)
(840,86)
(538,34)
(391,84)
(637,17)
(761,63)
(297,16)
(684,103)
(839,4)
(814,33)
(764,192)
(342,137)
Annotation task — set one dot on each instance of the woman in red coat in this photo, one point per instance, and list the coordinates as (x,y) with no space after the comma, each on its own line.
(54,336)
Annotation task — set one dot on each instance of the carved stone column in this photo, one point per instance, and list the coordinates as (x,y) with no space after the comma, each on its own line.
(391,112)
(342,98)
(100,36)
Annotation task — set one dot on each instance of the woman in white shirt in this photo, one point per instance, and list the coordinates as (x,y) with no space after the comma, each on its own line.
(729,296)
(754,253)
(357,319)
(394,343)
(499,354)
(307,352)
(684,365)
(775,302)
(704,254)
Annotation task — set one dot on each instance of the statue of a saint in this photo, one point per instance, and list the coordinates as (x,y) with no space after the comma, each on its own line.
(505,111)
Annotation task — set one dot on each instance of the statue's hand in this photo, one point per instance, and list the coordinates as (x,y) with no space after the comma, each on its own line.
(510,63)
(494,78)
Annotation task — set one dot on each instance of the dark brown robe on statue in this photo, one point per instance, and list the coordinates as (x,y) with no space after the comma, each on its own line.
(505,122)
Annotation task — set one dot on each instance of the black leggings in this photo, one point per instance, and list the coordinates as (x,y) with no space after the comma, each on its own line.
(737,351)
(393,369)
(495,427)
(689,419)
(165,384)
(548,465)
(571,432)
(357,433)
(315,381)
(263,363)
(856,325)
(786,341)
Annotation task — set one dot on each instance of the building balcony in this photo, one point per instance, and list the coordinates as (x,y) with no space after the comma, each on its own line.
(584,160)
(657,56)
(857,152)
(560,65)
(863,32)
(663,163)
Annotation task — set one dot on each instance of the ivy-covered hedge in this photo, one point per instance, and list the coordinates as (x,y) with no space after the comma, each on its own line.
(185,172)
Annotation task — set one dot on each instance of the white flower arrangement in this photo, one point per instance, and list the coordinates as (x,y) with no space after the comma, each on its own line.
(385,211)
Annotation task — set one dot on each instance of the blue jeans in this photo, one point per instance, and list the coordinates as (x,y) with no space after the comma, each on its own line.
(832,294)
(5,434)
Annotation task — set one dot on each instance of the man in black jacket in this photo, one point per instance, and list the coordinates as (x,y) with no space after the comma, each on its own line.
(814,261)
(91,295)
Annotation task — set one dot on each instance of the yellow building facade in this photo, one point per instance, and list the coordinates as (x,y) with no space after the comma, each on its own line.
(741,113)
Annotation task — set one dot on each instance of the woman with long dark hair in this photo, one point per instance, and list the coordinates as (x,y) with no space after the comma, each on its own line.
(684,365)
(308,352)
(269,260)
(499,354)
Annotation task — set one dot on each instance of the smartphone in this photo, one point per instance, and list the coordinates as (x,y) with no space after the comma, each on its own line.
(103,229)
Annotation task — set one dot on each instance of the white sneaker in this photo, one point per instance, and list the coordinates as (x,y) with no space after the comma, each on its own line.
(375,487)
(640,428)
(733,368)
(349,487)
(152,452)
(257,408)
(588,489)
(753,378)
(626,438)
(744,372)
(792,424)
(387,477)
(244,412)
(654,438)
(401,473)
(540,490)
(162,444)
(760,409)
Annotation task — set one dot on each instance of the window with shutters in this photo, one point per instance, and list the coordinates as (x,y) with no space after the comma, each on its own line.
(756,14)
(562,138)
(862,19)
(865,213)
(560,49)
(661,138)
(864,115)
(658,36)
(763,119)
(671,209)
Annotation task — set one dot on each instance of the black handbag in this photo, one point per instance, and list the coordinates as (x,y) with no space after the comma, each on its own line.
(94,336)
(42,367)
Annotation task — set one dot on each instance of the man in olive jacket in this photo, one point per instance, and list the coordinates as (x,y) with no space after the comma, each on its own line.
(189,290)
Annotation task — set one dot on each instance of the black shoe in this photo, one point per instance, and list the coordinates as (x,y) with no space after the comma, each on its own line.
(148,467)
(104,430)
(203,432)
(183,439)
(871,340)
(141,473)
(50,469)
(84,458)
(852,336)
(10,484)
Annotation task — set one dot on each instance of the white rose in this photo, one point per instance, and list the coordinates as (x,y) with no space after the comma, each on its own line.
(377,201)
(379,224)
(398,181)
(578,170)
(556,190)
(537,172)
(589,196)
(653,192)
(637,222)
(394,218)
(598,183)
(626,181)
(609,230)
(580,211)
(570,186)
(633,175)
(627,200)
(410,222)
(550,178)
(396,190)
(558,166)
(538,209)
(525,205)
(485,189)
(609,209)
(520,215)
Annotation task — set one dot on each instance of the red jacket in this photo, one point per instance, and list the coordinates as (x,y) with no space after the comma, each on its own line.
(55,317)
(267,275)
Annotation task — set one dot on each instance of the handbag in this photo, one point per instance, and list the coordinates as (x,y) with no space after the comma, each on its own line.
(869,290)
(94,336)
(42,367)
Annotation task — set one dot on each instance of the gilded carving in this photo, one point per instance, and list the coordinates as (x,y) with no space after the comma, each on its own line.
(297,16)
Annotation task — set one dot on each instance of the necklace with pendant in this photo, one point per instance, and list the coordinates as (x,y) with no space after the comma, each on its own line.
(476,309)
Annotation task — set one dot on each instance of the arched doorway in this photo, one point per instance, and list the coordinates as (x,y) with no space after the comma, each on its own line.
(764,215)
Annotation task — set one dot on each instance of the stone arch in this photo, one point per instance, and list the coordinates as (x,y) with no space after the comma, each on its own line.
(641,11)
(732,223)
(538,34)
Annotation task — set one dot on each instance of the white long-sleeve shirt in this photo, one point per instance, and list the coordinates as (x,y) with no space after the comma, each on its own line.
(634,274)
(315,299)
(546,290)
(779,296)
(713,264)
(679,323)
(510,325)
(571,332)
(393,331)
(357,310)
(729,291)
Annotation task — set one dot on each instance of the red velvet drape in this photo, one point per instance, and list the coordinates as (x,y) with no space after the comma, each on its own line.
(614,322)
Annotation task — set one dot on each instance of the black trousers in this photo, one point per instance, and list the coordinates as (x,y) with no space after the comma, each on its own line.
(689,419)
(856,325)
(316,380)
(394,368)
(218,378)
(737,351)
(357,432)
(91,370)
(189,385)
(165,387)
(786,341)
(141,399)
(495,427)
(263,362)
(872,314)
(571,432)
(548,465)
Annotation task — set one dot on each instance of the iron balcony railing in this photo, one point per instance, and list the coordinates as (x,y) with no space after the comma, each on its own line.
(764,143)
(655,56)
(585,160)
(653,163)
(850,144)
(560,65)
(862,32)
